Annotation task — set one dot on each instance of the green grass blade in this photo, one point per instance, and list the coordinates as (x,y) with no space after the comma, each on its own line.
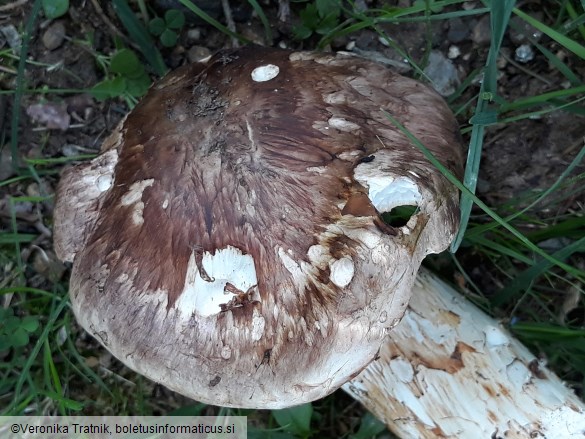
(65,404)
(140,35)
(83,370)
(559,65)
(500,16)
(391,12)
(9,290)
(14,238)
(578,20)
(212,21)
(24,372)
(16,109)
(453,180)
(542,98)
(564,41)
(60,160)
(569,106)
(436,17)
(501,249)
(15,234)
(53,380)
(527,277)
(486,227)
(545,331)
(571,228)
(262,16)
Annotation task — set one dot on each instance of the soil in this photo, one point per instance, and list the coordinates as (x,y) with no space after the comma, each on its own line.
(518,158)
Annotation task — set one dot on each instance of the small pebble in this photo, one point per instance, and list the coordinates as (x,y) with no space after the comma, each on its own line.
(458,30)
(454,52)
(71,150)
(481,33)
(442,73)
(11,36)
(383,41)
(54,35)
(524,53)
(194,34)
(62,335)
(197,53)
(92,362)
(52,115)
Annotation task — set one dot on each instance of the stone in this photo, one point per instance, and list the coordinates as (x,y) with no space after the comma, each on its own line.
(54,36)
(442,73)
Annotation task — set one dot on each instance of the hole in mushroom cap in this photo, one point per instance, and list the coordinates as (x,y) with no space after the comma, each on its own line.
(265,73)
(386,191)
(399,215)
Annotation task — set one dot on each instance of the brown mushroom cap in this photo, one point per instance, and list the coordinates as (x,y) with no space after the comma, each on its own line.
(228,243)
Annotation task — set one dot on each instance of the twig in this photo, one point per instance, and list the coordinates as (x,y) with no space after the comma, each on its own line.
(284,10)
(229,21)
(108,22)
(12,5)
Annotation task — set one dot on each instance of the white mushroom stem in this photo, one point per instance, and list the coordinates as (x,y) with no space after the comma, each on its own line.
(450,371)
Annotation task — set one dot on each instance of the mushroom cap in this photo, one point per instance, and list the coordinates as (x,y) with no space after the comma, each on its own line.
(228,240)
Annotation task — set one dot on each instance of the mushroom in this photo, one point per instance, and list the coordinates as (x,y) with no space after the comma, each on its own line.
(229,241)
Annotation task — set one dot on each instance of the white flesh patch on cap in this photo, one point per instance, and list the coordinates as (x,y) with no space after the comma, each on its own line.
(342,124)
(317,169)
(372,240)
(258,324)
(137,214)
(348,155)
(265,73)
(318,255)
(134,194)
(387,191)
(338,97)
(297,271)
(342,271)
(227,265)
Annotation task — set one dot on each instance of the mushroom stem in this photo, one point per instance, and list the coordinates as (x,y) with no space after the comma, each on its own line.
(449,370)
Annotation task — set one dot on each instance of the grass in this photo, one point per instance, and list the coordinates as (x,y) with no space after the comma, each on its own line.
(528,247)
